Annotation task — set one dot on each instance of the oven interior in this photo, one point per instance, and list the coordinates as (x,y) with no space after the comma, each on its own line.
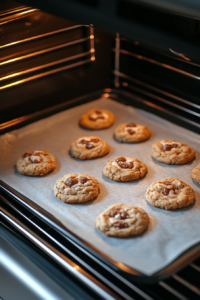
(140,56)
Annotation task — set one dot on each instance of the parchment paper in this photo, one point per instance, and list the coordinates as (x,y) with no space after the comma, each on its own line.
(169,232)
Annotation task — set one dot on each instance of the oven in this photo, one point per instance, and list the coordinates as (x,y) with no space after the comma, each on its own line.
(58,59)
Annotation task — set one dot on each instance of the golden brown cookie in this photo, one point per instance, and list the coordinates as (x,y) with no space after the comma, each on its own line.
(124,168)
(131,133)
(88,147)
(170,193)
(97,119)
(36,163)
(76,187)
(196,174)
(122,220)
(172,153)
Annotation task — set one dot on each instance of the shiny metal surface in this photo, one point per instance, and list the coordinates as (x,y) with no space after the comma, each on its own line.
(41,36)
(143,84)
(117,60)
(152,61)
(26,279)
(18,15)
(43,51)
(45,74)
(68,264)
(173,291)
(187,284)
(46,65)
(52,64)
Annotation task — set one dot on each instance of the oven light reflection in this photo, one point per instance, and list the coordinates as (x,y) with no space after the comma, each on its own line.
(106,95)
(27,278)
(180,54)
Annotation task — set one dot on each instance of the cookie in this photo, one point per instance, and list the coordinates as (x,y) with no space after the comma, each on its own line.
(131,133)
(88,147)
(36,163)
(97,119)
(196,174)
(172,153)
(125,168)
(76,187)
(170,193)
(122,220)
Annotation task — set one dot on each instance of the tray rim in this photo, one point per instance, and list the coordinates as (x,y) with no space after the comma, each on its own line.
(182,260)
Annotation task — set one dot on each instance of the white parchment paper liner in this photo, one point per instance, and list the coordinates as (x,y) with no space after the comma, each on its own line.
(169,232)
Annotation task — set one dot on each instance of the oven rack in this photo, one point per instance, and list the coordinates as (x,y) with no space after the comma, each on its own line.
(100,277)
(142,72)
(37,56)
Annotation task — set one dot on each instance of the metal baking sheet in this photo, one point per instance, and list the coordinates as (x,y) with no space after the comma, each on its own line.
(169,233)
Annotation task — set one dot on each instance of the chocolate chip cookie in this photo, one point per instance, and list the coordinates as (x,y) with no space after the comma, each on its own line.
(196,174)
(88,147)
(76,187)
(122,220)
(172,153)
(170,193)
(97,119)
(131,133)
(36,163)
(125,168)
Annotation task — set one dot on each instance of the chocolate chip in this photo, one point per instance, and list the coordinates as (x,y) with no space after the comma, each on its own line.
(35,159)
(123,214)
(131,125)
(89,146)
(166,182)
(120,159)
(168,147)
(94,140)
(98,112)
(26,154)
(71,181)
(131,131)
(83,180)
(120,225)
(166,191)
(125,165)
(95,118)
(100,115)
(83,142)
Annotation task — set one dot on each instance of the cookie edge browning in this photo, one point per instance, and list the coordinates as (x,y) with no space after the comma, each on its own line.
(86,123)
(195,176)
(120,177)
(65,198)
(88,154)
(131,139)
(125,232)
(41,169)
(166,159)
(167,205)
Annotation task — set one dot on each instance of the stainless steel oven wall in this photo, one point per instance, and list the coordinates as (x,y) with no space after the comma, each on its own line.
(46,60)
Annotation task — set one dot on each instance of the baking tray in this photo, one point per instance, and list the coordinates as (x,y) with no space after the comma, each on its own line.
(118,266)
